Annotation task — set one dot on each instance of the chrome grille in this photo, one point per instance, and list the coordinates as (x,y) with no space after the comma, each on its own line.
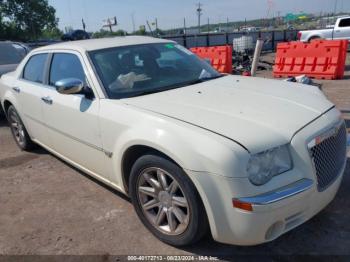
(329,157)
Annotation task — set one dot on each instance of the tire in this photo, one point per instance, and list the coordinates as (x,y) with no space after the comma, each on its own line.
(18,130)
(2,115)
(314,38)
(173,197)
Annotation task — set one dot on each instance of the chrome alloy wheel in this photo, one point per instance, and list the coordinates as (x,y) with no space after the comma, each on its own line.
(162,201)
(17,127)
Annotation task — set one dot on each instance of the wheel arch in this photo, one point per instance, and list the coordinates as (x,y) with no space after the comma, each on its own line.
(130,156)
(312,37)
(6,105)
(134,152)
(10,99)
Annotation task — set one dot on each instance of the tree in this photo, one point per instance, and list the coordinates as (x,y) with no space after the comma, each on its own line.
(28,19)
(52,33)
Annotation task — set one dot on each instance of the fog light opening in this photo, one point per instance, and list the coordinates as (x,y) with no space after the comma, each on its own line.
(274,231)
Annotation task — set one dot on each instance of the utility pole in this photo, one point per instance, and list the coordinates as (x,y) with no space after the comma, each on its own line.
(83,22)
(227,22)
(133,22)
(157,25)
(335,10)
(150,28)
(199,14)
(184,26)
(208,29)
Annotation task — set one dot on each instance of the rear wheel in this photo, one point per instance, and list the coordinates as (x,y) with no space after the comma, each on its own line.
(166,201)
(315,38)
(18,130)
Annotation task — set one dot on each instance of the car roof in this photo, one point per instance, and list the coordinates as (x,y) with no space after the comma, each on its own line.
(103,43)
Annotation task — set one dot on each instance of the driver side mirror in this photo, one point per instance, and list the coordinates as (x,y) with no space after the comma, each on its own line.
(71,86)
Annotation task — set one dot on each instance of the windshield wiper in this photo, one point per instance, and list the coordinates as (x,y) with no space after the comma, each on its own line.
(149,92)
(197,81)
(210,78)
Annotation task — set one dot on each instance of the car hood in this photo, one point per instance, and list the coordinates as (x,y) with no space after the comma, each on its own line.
(7,68)
(255,112)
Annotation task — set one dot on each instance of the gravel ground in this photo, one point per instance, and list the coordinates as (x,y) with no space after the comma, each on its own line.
(49,208)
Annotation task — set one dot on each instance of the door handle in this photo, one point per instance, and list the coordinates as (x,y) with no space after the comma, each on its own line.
(47,100)
(16,89)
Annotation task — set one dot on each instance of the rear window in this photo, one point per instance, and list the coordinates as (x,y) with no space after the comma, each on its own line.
(34,69)
(344,22)
(11,54)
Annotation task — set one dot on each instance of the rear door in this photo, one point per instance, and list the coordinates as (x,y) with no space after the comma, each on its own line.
(29,91)
(73,120)
(342,31)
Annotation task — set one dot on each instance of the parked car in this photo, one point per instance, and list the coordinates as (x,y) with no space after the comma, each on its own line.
(341,30)
(76,35)
(11,54)
(247,158)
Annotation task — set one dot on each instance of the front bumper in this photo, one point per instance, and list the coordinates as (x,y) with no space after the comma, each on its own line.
(279,194)
(287,201)
(271,217)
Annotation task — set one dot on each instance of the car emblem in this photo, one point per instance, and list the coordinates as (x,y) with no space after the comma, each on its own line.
(333,132)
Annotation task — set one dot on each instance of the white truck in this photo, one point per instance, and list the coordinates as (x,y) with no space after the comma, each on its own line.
(341,30)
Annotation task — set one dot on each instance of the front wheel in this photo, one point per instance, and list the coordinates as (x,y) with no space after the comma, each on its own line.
(166,201)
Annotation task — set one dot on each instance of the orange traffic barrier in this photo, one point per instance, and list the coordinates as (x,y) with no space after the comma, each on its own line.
(220,57)
(320,59)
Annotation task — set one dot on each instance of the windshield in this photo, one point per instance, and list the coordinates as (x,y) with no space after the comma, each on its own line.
(144,69)
(11,54)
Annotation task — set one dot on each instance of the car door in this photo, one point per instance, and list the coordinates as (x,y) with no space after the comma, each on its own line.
(72,120)
(342,31)
(29,91)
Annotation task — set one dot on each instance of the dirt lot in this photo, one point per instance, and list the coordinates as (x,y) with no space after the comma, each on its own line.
(48,207)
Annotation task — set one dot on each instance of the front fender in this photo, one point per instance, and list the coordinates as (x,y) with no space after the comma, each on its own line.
(191,147)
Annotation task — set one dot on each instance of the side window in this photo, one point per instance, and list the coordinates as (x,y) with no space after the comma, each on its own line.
(65,66)
(344,22)
(34,69)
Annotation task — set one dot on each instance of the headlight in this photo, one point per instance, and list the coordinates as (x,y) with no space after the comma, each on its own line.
(265,165)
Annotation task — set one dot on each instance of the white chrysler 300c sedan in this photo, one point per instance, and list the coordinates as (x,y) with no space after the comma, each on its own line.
(247,158)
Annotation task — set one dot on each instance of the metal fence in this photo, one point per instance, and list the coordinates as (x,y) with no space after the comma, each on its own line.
(271,38)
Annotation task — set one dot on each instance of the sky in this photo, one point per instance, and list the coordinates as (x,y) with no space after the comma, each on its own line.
(171,13)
